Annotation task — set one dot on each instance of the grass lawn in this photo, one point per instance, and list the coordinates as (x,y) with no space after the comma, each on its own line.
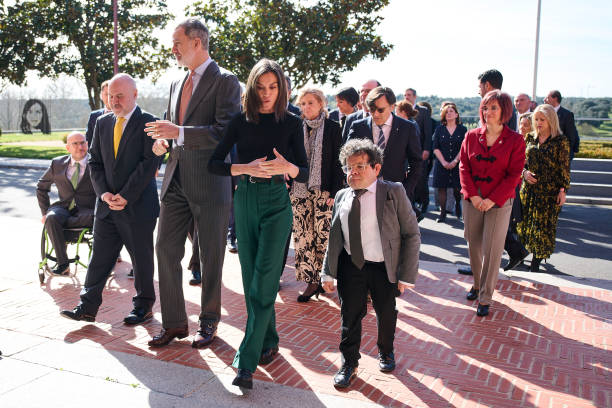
(31,152)
(595,149)
(34,137)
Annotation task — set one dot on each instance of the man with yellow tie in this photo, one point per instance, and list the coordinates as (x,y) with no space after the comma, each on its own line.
(123,168)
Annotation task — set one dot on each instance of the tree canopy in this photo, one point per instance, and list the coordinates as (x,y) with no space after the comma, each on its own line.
(75,37)
(316,41)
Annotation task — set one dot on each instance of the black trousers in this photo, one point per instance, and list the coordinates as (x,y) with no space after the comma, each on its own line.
(110,234)
(58,219)
(353,286)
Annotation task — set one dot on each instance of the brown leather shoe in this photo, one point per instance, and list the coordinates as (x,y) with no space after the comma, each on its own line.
(205,335)
(165,336)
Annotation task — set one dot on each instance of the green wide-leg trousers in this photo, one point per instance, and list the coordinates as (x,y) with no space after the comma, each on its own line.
(263,223)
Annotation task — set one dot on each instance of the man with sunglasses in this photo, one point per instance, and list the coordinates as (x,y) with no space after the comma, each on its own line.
(373,246)
(397,138)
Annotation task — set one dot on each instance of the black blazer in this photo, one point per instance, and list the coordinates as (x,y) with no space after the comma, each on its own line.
(91,124)
(568,128)
(360,114)
(403,146)
(294,109)
(332,178)
(425,130)
(334,115)
(132,173)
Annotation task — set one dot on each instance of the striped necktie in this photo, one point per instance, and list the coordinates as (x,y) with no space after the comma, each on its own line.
(117,133)
(381,140)
(74,180)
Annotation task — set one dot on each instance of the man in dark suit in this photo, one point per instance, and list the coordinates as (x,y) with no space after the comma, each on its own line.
(77,198)
(397,137)
(93,116)
(363,111)
(346,100)
(123,170)
(566,121)
(373,247)
(491,80)
(291,107)
(421,194)
(200,106)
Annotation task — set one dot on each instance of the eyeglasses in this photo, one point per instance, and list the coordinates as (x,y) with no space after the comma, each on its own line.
(83,143)
(379,110)
(359,167)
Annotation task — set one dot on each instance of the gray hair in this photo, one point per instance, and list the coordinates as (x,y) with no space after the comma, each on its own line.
(194,28)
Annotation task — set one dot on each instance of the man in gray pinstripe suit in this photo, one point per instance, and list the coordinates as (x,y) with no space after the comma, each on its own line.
(200,106)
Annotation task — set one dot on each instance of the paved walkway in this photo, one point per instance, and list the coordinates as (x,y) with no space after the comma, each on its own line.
(542,345)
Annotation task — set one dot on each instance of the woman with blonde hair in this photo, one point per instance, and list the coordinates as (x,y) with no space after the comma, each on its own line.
(313,200)
(546,179)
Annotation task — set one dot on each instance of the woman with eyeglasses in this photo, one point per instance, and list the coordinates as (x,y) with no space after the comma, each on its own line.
(264,136)
(312,201)
(491,161)
(447,141)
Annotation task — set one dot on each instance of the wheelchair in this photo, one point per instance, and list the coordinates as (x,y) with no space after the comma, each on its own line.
(73,236)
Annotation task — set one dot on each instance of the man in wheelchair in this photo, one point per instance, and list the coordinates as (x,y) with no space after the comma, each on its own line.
(77,198)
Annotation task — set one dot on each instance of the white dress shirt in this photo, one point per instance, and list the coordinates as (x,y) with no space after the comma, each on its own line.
(370,237)
(72,167)
(386,128)
(197,75)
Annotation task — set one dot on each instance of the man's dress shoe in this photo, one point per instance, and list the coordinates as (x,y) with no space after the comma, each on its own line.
(138,315)
(205,335)
(196,279)
(130,274)
(233,248)
(514,262)
(244,379)
(267,355)
(78,314)
(482,310)
(386,362)
(167,335)
(61,270)
(472,294)
(344,377)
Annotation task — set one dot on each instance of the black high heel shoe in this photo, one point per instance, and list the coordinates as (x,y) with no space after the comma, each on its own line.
(535,264)
(313,289)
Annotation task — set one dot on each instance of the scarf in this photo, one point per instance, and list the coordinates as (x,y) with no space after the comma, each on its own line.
(313,144)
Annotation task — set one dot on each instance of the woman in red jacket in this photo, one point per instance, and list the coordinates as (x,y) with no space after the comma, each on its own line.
(491,161)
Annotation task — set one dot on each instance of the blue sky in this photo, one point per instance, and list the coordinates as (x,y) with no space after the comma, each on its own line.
(441,46)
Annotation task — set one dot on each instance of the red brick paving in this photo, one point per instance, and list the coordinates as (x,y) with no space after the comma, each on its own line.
(541,346)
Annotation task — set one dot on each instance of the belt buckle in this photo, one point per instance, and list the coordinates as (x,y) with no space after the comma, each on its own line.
(251,180)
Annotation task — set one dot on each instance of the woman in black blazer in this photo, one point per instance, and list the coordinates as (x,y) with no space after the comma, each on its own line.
(312,201)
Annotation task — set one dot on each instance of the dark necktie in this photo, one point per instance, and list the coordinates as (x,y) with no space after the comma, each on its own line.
(354,224)
(342,122)
(381,140)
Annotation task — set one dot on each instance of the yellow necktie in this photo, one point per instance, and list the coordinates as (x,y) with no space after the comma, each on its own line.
(117,133)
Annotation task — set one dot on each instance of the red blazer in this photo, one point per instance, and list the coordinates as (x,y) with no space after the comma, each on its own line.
(491,173)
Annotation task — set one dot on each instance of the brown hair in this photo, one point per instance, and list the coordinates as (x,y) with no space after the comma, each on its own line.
(445,108)
(252,103)
(406,107)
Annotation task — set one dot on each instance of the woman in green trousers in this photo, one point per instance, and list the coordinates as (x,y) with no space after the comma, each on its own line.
(264,135)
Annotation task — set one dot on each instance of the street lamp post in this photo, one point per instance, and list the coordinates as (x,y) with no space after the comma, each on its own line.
(537,47)
(115,40)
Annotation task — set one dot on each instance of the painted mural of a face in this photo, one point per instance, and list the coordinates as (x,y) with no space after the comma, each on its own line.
(34,115)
